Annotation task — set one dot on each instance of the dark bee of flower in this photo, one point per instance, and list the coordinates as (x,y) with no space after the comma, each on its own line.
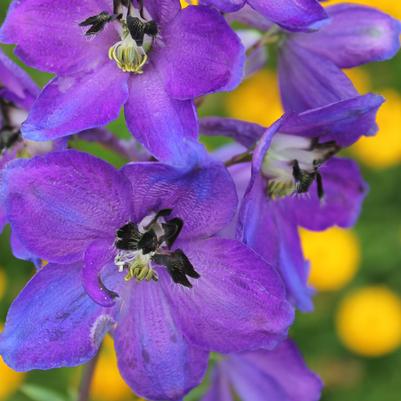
(304,179)
(98,22)
(138,29)
(178,266)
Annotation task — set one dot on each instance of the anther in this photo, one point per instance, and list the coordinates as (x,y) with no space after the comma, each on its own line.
(98,22)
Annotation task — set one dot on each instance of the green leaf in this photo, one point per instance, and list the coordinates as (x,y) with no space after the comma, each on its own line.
(37,393)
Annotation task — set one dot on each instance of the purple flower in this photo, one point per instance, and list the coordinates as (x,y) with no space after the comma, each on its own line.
(295,180)
(133,252)
(154,61)
(294,15)
(310,64)
(17,93)
(278,375)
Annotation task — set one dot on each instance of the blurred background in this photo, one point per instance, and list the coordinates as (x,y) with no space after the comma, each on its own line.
(353,338)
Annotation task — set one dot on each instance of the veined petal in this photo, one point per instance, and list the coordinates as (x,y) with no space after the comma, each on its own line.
(165,126)
(81,101)
(237,304)
(355,35)
(220,387)
(201,55)
(17,82)
(153,356)
(69,199)
(344,121)
(49,38)
(163,11)
(294,15)
(277,375)
(226,6)
(203,198)
(53,323)
(271,230)
(97,256)
(308,80)
(244,132)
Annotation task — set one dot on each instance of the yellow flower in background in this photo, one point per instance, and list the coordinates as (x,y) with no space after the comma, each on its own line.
(108,384)
(360,78)
(3,282)
(384,149)
(257,99)
(392,7)
(334,255)
(10,380)
(369,321)
(186,3)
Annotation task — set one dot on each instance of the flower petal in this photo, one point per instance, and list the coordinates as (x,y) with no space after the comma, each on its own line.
(343,122)
(220,387)
(344,192)
(165,126)
(81,101)
(163,11)
(49,38)
(277,375)
(52,323)
(294,15)
(17,82)
(244,132)
(270,229)
(308,80)
(69,199)
(237,304)
(203,197)
(153,356)
(201,54)
(97,256)
(355,35)
(224,5)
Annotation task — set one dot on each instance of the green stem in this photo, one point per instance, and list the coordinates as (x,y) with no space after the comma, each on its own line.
(87,377)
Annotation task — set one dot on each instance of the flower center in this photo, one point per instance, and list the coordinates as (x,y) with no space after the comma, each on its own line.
(140,246)
(11,119)
(137,35)
(292,164)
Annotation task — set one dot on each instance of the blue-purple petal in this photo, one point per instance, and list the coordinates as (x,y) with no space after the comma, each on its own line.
(78,102)
(69,199)
(356,35)
(153,356)
(237,304)
(203,198)
(53,323)
(201,54)
(343,122)
(308,80)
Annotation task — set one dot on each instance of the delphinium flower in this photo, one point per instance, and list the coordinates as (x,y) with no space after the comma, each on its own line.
(278,375)
(17,93)
(309,64)
(296,180)
(150,56)
(294,15)
(133,252)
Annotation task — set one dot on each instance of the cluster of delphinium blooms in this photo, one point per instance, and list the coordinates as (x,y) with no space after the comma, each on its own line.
(181,252)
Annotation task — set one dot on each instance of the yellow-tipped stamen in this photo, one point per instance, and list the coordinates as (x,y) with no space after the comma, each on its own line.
(128,56)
